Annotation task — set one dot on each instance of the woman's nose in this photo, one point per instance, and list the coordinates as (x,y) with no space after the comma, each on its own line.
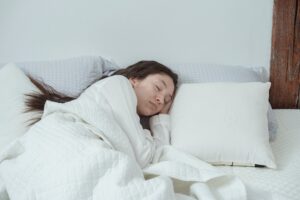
(159,99)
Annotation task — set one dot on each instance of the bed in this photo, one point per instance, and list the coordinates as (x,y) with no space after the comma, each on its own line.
(282,183)
(261,183)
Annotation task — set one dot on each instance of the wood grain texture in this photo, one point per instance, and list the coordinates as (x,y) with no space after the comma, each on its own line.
(285,56)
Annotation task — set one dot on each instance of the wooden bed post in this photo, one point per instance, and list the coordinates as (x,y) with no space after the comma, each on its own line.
(285,56)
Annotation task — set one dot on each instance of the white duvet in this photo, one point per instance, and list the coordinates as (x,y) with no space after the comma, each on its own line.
(95,148)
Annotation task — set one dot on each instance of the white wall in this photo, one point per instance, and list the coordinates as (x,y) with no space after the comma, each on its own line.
(213,31)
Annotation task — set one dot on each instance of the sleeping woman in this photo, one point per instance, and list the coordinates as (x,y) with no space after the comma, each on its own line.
(147,86)
(94,147)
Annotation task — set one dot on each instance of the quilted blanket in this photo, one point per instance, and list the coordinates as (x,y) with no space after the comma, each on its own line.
(94,148)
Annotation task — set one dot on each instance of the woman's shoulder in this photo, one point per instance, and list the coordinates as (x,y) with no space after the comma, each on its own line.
(118,78)
(113,80)
(116,82)
(118,87)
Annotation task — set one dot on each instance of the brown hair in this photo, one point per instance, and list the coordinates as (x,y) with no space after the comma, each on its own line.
(140,70)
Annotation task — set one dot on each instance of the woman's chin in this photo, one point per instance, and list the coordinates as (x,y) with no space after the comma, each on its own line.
(146,113)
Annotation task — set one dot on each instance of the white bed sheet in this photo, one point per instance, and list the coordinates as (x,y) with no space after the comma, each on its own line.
(284,182)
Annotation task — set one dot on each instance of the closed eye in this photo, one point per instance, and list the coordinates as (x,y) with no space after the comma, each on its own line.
(157,88)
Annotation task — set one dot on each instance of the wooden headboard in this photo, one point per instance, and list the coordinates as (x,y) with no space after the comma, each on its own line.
(285,56)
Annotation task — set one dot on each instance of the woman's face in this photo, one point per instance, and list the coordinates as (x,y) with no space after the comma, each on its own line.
(153,93)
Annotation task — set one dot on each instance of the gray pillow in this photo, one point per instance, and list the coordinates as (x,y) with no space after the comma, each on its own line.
(69,76)
(197,73)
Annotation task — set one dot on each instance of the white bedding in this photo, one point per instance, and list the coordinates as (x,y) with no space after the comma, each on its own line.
(62,156)
(280,184)
(284,182)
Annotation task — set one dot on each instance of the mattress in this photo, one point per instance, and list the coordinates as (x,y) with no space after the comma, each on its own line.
(283,182)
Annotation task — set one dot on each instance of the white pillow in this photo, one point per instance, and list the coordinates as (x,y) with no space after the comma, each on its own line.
(202,73)
(13,121)
(223,123)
